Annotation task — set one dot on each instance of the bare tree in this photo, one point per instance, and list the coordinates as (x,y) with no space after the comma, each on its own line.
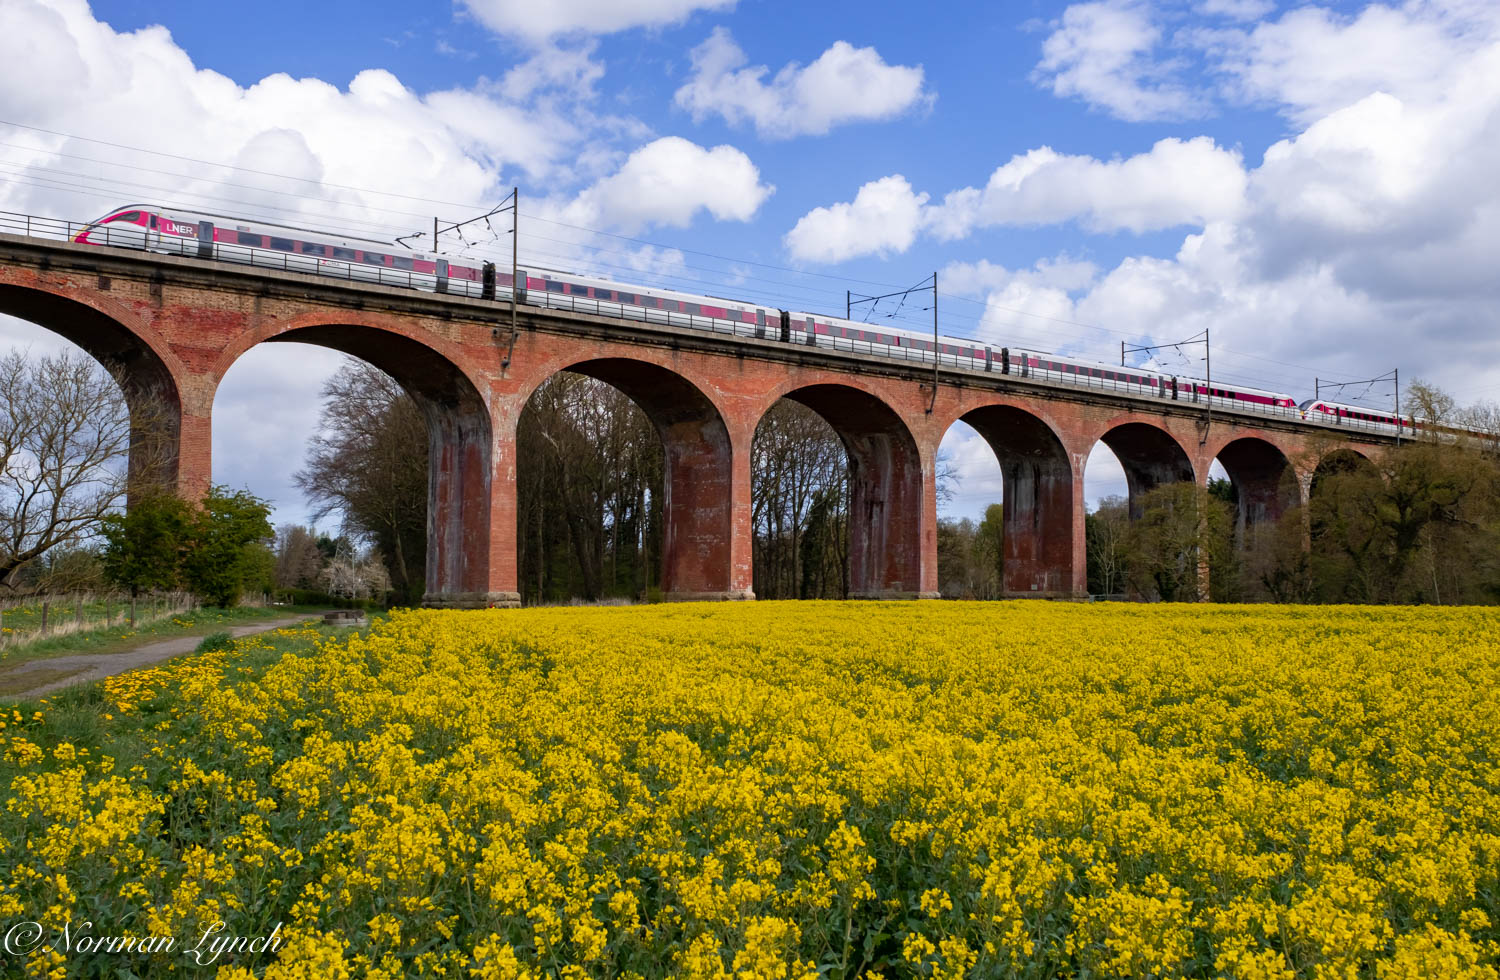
(1107,530)
(65,453)
(368,463)
(354,576)
(798,461)
(590,472)
(299,562)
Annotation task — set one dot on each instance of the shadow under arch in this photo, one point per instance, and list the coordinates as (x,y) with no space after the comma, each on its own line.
(885,490)
(459,442)
(1150,458)
(1265,482)
(149,383)
(1037,502)
(698,476)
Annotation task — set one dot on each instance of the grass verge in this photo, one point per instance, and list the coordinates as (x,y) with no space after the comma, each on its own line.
(120,638)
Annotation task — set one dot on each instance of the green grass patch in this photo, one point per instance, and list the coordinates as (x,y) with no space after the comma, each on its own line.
(222,640)
(119,638)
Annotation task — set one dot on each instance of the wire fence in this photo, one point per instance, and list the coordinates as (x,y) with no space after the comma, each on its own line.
(31,619)
(142,239)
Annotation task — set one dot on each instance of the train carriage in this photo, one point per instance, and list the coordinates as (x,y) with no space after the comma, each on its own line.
(227,238)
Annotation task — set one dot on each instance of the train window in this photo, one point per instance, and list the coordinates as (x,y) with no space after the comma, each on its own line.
(693,308)
(130,217)
(153,222)
(553,286)
(246,238)
(400,262)
(346,254)
(281,244)
(604,294)
(373,258)
(310,249)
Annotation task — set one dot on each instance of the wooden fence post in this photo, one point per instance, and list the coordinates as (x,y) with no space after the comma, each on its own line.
(45,604)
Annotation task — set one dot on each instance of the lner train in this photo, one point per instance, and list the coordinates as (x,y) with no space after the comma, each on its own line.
(228,238)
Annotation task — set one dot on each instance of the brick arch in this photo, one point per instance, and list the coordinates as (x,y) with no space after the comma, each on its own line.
(1038,499)
(1150,456)
(373,338)
(1264,480)
(460,441)
(148,372)
(886,507)
(699,472)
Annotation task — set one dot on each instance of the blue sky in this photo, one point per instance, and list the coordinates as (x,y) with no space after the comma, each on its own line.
(1313,182)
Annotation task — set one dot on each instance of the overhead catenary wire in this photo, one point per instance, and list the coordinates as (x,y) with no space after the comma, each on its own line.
(389,230)
(664,280)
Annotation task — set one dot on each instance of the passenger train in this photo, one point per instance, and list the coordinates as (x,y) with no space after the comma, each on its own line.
(305,250)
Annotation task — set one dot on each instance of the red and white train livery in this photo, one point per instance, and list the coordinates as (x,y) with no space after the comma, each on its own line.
(295,249)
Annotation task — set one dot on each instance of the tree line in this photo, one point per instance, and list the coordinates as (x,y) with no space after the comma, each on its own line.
(1414,524)
(1418,524)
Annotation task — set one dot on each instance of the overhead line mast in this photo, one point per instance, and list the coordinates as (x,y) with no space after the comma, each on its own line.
(850,302)
(1208,371)
(512,203)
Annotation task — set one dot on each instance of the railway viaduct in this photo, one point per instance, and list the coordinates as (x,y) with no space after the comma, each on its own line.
(171,328)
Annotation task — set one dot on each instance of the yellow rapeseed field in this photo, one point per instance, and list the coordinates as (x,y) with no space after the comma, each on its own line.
(790,790)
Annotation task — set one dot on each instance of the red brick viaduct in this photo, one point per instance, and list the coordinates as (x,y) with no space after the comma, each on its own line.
(172,327)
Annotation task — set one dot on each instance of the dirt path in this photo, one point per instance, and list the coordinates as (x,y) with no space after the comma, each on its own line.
(35,677)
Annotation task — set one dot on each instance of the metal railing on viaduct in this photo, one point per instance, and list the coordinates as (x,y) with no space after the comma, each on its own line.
(170,327)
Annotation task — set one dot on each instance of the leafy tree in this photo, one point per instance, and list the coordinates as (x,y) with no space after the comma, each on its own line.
(1280,561)
(143,546)
(1222,489)
(989,548)
(1182,532)
(1416,524)
(221,557)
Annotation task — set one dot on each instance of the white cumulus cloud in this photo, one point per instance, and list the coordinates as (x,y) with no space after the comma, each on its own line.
(1176,182)
(845,84)
(1104,53)
(1173,184)
(1313,60)
(667,182)
(541,21)
(883,217)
